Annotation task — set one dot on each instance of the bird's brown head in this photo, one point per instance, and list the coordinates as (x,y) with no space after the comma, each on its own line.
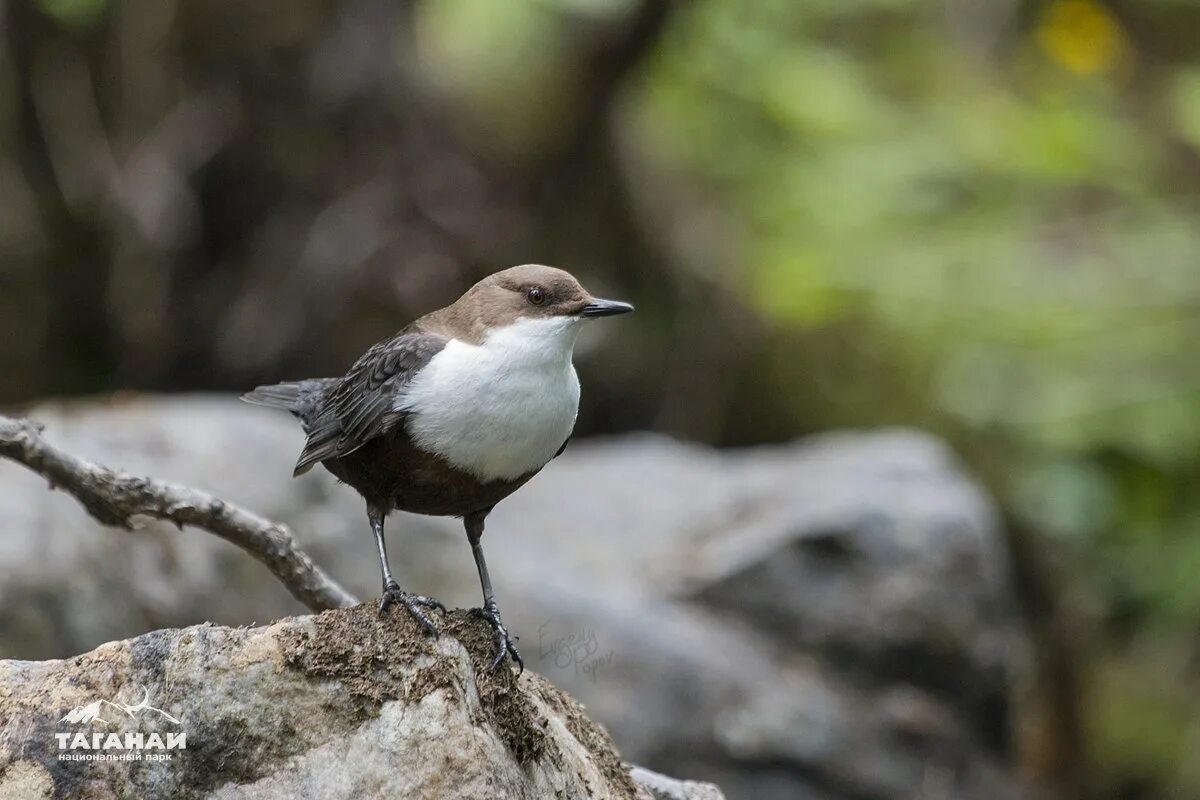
(530,291)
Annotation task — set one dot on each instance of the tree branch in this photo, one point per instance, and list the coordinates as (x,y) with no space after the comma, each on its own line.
(115,497)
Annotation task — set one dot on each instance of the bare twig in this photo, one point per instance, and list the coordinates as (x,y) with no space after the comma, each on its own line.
(114,498)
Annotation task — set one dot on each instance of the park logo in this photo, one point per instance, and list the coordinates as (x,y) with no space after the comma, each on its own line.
(89,744)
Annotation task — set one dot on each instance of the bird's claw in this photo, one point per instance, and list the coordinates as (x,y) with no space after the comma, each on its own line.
(505,642)
(415,603)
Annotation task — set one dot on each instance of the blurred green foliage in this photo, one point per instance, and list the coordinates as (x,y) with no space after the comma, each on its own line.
(75,13)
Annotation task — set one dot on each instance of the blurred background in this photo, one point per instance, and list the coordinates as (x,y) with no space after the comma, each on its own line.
(973,217)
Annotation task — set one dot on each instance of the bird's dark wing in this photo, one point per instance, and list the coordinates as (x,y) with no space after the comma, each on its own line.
(362,404)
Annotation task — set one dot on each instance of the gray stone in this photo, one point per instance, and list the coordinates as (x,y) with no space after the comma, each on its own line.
(664,787)
(341,705)
(827,619)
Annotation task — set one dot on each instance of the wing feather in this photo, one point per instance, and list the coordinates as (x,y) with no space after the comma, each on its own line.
(362,405)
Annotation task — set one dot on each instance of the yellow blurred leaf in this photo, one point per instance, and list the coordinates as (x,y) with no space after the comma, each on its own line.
(1082,36)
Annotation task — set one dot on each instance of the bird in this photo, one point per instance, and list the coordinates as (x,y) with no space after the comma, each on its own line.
(452,414)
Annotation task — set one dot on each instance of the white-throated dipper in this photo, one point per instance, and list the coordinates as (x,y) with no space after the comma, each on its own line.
(453,413)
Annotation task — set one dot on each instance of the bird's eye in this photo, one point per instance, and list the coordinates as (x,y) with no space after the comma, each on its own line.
(536,295)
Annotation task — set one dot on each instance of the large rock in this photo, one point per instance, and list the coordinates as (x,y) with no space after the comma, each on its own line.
(341,705)
(826,619)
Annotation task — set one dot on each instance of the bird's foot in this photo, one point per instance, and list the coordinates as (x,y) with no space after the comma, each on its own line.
(415,603)
(505,642)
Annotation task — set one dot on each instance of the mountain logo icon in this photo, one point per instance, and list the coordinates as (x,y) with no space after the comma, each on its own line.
(93,710)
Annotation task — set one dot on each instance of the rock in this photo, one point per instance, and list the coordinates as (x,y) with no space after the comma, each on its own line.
(888,563)
(826,619)
(667,788)
(340,705)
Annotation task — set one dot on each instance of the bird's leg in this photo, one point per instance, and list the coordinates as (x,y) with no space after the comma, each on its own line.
(505,643)
(392,593)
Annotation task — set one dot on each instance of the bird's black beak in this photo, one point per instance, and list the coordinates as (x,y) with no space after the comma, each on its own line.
(605,308)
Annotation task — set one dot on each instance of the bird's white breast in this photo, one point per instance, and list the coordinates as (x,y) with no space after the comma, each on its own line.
(500,409)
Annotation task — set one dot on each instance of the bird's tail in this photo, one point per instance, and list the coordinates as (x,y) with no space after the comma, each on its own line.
(304,399)
(278,395)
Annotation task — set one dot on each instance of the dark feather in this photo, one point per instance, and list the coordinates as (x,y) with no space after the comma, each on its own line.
(303,398)
(279,395)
